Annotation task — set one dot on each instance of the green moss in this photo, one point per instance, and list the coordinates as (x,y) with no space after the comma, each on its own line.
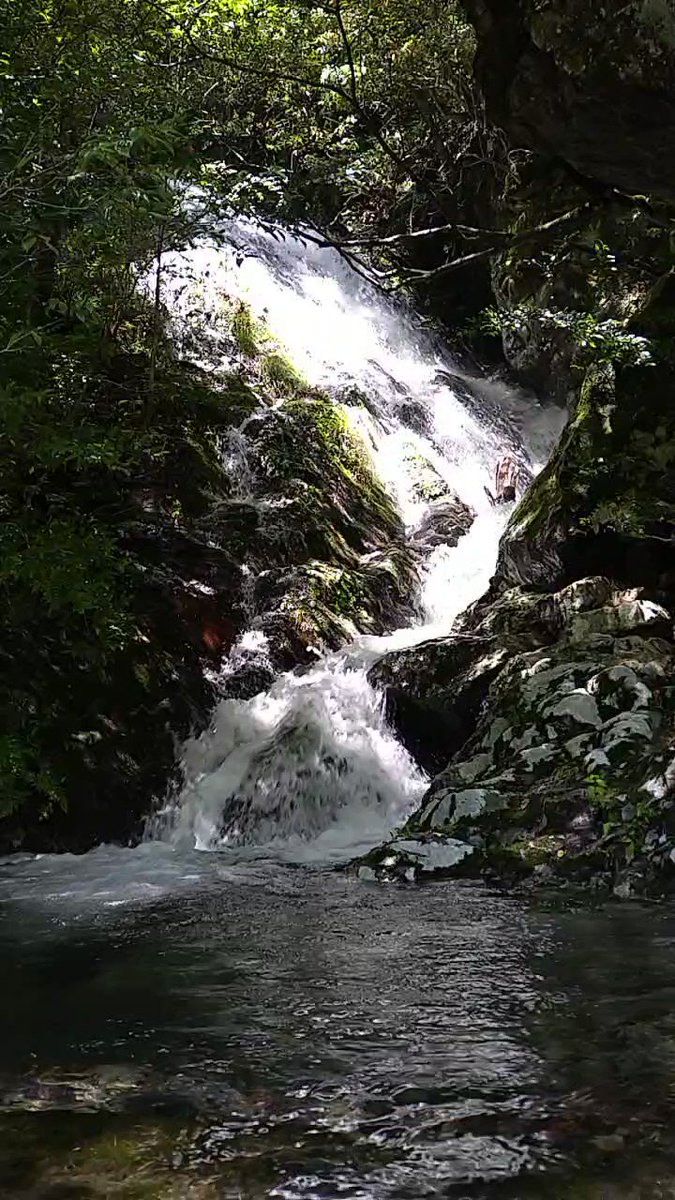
(273,367)
(367,594)
(279,373)
(532,851)
(311,456)
(98,1155)
(249,334)
(613,468)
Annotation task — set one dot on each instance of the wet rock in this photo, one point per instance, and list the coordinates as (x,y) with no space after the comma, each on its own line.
(446,520)
(415,416)
(555,747)
(426,482)
(604,502)
(319,605)
(585,84)
(432,692)
(411,859)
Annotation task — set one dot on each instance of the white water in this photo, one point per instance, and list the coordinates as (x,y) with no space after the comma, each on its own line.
(310,770)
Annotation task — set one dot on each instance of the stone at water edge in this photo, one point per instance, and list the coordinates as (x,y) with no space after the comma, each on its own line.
(433,691)
(445,521)
(570,771)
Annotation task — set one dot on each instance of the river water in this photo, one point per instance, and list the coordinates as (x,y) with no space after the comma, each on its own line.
(220,1012)
(190,1026)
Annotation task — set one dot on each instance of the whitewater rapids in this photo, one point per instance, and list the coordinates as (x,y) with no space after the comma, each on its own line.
(310,770)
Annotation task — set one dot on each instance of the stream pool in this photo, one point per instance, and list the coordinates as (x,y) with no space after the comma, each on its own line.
(189,1025)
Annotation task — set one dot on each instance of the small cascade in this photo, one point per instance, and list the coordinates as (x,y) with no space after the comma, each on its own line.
(312,756)
(309,768)
(236,455)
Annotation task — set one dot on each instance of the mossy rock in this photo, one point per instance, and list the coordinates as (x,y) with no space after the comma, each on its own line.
(100,1155)
(309,454)
(171,547)
(606,500)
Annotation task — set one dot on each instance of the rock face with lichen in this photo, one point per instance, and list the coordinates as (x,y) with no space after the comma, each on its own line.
(549,716)
(568,770)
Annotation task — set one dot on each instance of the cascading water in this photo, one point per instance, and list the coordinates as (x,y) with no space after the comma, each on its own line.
(218,1026)
(310,769)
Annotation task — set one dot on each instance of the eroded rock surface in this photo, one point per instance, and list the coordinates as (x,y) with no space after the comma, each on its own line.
(569,766)
(445,521)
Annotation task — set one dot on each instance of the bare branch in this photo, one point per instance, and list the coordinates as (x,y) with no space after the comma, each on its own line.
(572,218)
(350,57)
(414,235)
(367,271)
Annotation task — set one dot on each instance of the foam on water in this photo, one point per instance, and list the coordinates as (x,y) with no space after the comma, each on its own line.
(311,768)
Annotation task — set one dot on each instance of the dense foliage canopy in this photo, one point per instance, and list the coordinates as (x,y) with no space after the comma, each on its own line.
(354,116)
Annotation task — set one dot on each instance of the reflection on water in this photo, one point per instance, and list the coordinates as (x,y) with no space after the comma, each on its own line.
(284,1032)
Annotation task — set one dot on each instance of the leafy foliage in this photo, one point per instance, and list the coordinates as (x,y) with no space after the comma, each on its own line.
(596,339)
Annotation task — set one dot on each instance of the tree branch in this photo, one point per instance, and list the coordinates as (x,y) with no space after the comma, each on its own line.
(574,217)
(413,235)
(350,57)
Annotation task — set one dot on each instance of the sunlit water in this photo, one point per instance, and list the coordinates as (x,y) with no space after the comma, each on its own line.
(311,768)
(252,1022)
(182,1025)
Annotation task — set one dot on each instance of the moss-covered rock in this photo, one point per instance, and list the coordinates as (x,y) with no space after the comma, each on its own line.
(607,497)
(261,510)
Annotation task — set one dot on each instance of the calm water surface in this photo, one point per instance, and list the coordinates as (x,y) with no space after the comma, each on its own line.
(192,1027)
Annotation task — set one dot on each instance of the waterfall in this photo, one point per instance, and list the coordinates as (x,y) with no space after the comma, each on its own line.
(309,769)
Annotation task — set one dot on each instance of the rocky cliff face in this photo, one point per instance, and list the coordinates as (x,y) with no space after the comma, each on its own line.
(584,83)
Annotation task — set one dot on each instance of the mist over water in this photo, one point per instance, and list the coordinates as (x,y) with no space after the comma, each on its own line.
(310,769)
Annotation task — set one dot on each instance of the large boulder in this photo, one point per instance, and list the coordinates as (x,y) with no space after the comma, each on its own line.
(567,768)
(585,83)
(606,499)
(432,692)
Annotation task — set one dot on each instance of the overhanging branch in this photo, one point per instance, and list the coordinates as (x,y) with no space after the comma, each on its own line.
(498,239)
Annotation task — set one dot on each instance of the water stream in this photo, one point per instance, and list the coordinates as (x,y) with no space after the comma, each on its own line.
(245,1023)
(310,770)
